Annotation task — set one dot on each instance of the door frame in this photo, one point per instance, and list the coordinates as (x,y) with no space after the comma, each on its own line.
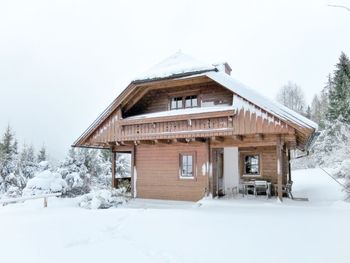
(215,191)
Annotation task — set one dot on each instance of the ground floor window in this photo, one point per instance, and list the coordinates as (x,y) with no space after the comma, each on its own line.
(252,165)
(186,165)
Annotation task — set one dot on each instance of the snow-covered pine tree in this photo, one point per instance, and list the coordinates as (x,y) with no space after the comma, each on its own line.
(316,114)
(42,154)
(27,163)
(75,172)
(308,112)
(339,93)
(9,179)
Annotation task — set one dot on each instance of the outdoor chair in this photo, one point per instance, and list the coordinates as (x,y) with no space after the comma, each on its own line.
(286,189)
(249,188)
(261,187)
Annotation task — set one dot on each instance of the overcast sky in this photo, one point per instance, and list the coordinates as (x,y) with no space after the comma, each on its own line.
(62,62)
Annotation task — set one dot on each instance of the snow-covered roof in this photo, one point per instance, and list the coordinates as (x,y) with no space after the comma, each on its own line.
(177,64)
(266,104)
(181,112)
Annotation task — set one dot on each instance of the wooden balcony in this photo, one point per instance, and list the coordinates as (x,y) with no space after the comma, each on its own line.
(215,123)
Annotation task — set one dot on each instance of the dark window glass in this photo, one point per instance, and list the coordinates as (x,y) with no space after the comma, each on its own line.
(191,101)
(187,165)
(251,164)
(176,103)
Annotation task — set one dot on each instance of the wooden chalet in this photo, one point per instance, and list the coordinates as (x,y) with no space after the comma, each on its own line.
(193,130)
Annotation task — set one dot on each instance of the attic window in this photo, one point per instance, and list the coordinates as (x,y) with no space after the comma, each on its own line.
(184,102)
(176,103)
(191,102)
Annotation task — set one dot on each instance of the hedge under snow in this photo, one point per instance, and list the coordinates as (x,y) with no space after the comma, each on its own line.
(103,199)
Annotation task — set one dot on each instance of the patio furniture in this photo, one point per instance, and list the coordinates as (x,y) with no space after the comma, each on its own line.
(262,187)
(256,187)
(286,189)
(247,186)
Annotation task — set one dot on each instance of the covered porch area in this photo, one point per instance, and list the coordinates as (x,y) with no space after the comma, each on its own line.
(251,170)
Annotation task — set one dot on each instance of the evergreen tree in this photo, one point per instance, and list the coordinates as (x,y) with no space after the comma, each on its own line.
(8,163)
(315,112)
(308,112)
(8,149)
(339,93)
(42,154)
(28,166)
(106,155)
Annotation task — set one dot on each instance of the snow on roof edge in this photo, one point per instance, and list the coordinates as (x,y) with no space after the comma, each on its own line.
(269,105)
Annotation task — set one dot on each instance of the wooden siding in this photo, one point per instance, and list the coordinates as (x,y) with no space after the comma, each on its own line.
(204,126)
(158,100)
(158,172)
(268,163)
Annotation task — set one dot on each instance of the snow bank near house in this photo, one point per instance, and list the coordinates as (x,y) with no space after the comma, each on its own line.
(45,182)
(244,229)
(103,199)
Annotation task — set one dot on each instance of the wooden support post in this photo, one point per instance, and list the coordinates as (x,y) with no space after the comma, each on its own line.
(210,173)
(133,173)
(114,184)
(289,168)
(279,167)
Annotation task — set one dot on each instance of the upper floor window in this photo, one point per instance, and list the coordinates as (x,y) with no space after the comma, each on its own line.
(184,102)
(191,101)
(176,103)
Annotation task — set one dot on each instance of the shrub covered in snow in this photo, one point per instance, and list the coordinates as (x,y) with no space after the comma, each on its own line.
(45,182)
(330,149)
(104,198)
(74,171)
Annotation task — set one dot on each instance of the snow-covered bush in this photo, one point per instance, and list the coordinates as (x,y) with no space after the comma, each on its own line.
(343,170)
(330,149)
(104,198)
(75,173)
(45,182)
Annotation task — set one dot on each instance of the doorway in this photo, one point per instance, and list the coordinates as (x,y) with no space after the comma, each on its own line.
(218,188)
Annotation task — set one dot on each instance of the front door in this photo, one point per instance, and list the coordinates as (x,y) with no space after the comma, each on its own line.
(218,172)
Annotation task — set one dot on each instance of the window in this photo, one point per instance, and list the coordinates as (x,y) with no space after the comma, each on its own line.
(251,165)
(184,102)
(176,103)
(191,102)
(186,165)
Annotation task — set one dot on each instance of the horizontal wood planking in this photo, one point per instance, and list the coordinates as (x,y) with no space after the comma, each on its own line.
(268,163)
(158,100)
(158,172)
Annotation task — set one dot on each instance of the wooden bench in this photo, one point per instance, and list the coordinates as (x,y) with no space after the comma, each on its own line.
(32,197)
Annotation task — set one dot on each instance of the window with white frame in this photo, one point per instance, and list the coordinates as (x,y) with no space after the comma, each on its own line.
(252,165)
(186,165)
(184,102)
(176,103)
(191,101)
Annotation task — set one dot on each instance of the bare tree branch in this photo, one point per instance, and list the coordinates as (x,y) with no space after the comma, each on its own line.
(341,6)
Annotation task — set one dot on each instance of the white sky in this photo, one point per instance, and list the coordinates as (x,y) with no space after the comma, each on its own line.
(62,62)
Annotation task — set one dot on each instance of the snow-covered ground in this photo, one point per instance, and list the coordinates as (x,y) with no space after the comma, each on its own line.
(229,230)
